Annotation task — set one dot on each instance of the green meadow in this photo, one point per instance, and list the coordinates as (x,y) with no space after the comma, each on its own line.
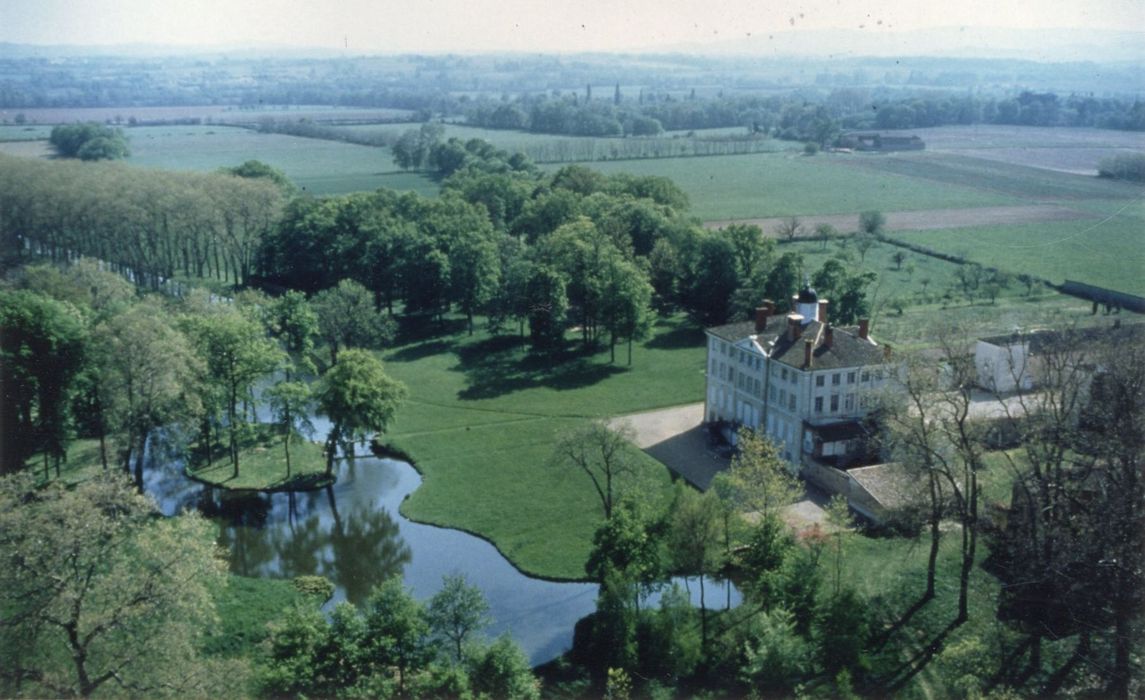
(1108,252)
(787,184)
(483,417)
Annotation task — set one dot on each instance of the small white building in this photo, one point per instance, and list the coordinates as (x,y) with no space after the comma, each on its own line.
(1002,363)
(795,376)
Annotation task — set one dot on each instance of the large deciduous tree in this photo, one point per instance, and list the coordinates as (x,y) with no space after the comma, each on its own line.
(237,352)
(100,596)
(149,376)
(347,319)
(359,398)
(42,351)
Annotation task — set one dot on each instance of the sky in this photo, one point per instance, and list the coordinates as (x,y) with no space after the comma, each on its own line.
(518,25)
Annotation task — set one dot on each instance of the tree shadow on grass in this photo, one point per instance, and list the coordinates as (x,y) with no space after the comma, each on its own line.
(501,365)
(420,351)
(683,336)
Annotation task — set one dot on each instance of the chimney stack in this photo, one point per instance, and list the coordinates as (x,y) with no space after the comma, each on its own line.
(761,315)
(808,345)
(828,336)
(822,311)
(864,328)
(794,326)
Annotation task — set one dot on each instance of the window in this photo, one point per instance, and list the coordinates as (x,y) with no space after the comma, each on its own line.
(712,369)
(771,392)
(866,376)
(818,404)
(849,403)
(850,377)
(878,375)
(782,397)
(791,402)
(836,378)
(819,380)
(834,403)
(783,373)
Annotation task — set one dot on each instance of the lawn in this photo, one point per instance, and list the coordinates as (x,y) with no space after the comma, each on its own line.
(786,184)
(483,418)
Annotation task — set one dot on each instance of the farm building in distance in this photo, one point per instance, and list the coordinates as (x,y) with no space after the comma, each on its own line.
(874,141)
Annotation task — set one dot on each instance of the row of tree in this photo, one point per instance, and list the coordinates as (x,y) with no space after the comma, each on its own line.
(153,224)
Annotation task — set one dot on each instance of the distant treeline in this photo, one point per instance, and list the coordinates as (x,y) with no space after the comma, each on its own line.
(796,118)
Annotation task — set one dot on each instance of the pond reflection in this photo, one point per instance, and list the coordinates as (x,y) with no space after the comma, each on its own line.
(353,534)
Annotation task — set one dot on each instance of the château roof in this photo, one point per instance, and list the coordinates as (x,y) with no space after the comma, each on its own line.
(847,349)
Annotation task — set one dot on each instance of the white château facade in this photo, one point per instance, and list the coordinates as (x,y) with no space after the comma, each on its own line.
(805,383)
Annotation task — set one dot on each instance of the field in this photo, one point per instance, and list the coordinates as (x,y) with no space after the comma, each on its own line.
(1108,252)
(1067,150)
(319,167)
(769,185)
(483,418)
(206,113)
(927,291)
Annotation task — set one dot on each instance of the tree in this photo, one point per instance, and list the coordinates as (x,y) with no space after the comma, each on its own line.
(601,453)
(149,376)
(503,671)
(758,480)
(456,612)
(547,307)
(294,323)
(693,540)
(256,169)
(899,258)
(347,319)
(359,398)
(99,594)
(629,544)
(237,352)
(290,401)
(89,141)
(790,228)
(42,352)
(627,298)
(714,278)
(474,271)
(872,223)
(397,630)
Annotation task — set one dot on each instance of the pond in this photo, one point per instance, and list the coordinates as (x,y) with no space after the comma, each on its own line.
(353,534)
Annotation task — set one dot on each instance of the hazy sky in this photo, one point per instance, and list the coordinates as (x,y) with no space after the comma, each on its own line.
(517,25)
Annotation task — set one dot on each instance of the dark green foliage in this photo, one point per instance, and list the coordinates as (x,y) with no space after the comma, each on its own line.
(547,304)
(502,671)
(629,543)
(456,613)
(1129,166)
(42,351)
(347,319)
(669,639)
(841,632)
(714,280)
(255,169)
(90,141)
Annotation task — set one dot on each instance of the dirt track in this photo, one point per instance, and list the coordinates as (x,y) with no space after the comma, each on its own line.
(927,219)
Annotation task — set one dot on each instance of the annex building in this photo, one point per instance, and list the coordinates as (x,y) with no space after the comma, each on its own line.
(805,382)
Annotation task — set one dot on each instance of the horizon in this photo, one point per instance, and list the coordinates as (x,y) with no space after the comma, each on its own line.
(363,27)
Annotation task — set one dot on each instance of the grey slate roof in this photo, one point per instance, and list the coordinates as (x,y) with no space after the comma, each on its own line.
(1073,338)
(847,349)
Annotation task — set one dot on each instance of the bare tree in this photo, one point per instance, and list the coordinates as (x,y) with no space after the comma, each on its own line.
(790,228)
(602,453)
